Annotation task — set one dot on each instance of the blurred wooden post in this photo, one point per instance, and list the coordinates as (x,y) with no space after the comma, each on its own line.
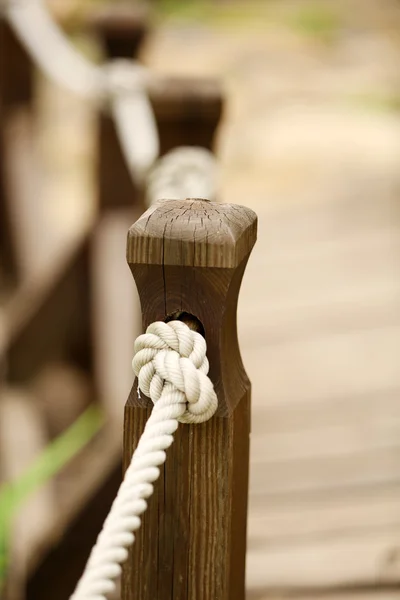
(188,259)
(187,110)
(16,92)
(16,70)
(121,30)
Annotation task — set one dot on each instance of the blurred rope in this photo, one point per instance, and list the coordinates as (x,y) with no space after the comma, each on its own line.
(184,172)
(51,50)
(121,87)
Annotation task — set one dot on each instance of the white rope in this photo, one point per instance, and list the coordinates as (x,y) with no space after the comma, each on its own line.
(185,172)
(50,49)
(133,117)
(171,365)
(120,85)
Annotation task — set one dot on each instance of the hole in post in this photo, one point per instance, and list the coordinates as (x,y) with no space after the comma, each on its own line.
(189,320)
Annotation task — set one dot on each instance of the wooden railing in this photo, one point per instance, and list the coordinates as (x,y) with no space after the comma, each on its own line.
(16,94)
(70,313)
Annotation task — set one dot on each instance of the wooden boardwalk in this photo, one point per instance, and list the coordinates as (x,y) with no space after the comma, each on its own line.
(319,324)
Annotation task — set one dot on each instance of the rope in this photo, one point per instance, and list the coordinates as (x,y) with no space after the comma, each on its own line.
(185,172)
(50,49)
(133,117)
(119,86)
(171,365)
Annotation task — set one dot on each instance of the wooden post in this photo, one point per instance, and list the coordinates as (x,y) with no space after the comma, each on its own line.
(188,259)
(187,110)
(16,69)
(121,28)
(16,92)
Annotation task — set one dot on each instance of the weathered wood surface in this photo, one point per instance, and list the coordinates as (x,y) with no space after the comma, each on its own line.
(193,539)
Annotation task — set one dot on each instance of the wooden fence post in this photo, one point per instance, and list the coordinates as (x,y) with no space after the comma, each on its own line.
(188,258)
(121,31)
(16,92)
(121,28)
(187,110)
(16,69)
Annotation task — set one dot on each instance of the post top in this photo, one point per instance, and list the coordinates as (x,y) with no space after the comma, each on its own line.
(192,232)
(118,18)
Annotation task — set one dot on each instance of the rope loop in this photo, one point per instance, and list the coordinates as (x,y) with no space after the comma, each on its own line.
(171,353)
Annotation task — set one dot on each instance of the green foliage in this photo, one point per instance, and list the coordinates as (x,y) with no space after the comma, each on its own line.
(316,20)
(211,12)
(377,102)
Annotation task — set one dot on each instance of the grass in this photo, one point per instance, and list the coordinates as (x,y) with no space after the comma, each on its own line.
(315,20)
(211,12)
(377,102)
(55,456)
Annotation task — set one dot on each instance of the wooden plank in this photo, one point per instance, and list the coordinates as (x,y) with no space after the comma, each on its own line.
(361,594)
(342,365)
(25,186)
(50,307)
(370,468)
(297,521)
(326,413)
(369,559)
(308,229)
(345,275)
(378,432)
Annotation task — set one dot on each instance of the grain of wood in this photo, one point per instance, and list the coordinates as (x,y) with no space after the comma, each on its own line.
(190,256)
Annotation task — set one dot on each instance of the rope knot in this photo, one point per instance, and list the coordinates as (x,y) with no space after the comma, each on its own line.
(170,356)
